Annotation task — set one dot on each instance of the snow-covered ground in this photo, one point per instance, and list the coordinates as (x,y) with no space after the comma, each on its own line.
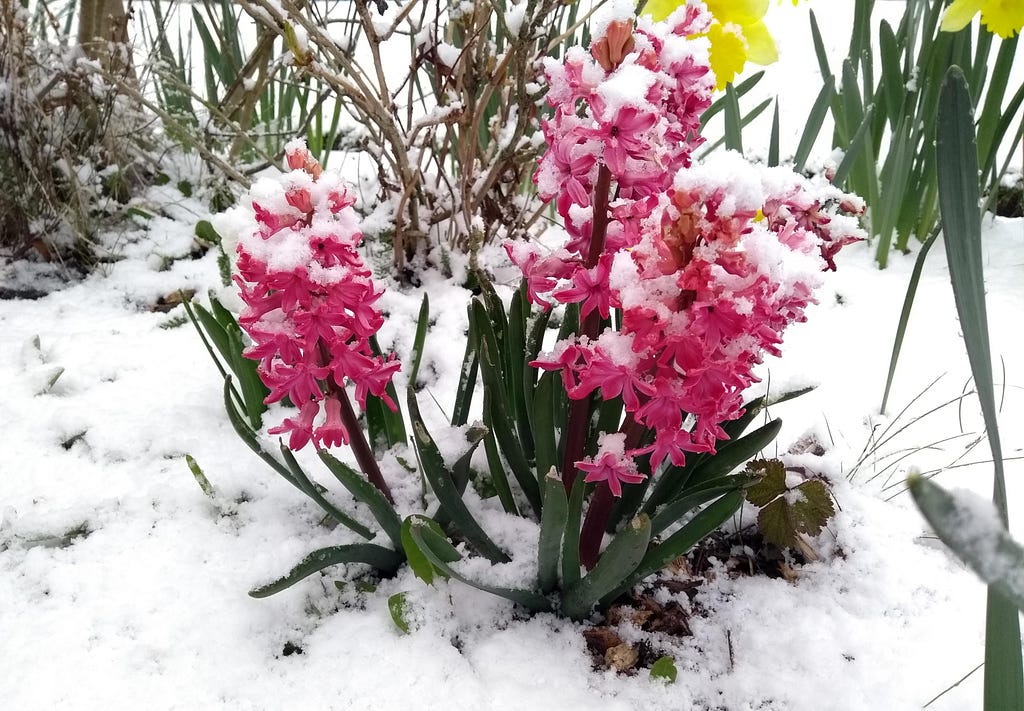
(123,586)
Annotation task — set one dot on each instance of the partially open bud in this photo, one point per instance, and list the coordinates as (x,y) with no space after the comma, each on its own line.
(298,157)
(610,50)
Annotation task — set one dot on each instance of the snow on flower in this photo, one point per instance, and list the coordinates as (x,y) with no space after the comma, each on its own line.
(310,303)
(708,263)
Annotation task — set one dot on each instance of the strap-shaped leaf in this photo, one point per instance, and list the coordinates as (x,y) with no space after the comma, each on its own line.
(543,402)
(419,339)
(814,121)
(894,83)
(467,376)
(731,113)
(534,343)
(773,140)
(385,560)
(252,388)
(498,414)
(908,303)
(367,493)
(615,565)
(692,497)
(448,495)
(819,47)
(552,530)
(439,551)
(680,542)
(959,198)
(571,539)
(734,453)
(983,543)
(218,336)
(731,454)
(495,467)
(312,491)
(855,147)
(460,470)
(515,356)
(247,435)
(719,104)
(421,566)
(383,424)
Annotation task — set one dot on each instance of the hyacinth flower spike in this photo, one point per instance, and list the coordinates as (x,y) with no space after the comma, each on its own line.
(688,255)
(310,309)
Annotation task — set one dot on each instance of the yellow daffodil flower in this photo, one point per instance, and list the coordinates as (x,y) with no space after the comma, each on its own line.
(738,34)
(1003,17)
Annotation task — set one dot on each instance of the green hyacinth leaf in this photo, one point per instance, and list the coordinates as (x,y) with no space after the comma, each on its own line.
(368,494)
(310,489)
(679,543)
(694,497)
(382,559)
(615,565)
(432,543)
(433,466)
(420,564)
(552,530)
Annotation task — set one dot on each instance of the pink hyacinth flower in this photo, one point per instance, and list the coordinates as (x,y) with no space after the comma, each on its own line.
(611,464)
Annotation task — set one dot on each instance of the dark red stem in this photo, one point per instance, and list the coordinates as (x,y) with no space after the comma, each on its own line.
(357,441)
(579,410)
(596,522)
(356,437)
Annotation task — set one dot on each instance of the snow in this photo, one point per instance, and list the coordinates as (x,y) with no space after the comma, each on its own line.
(123,586)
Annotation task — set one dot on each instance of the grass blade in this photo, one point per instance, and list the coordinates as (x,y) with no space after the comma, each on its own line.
(814,121)
(908,304)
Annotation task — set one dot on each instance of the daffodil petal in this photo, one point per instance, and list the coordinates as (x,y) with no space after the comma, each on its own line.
(660,9)
(959,14)
(728,53)
(761,47)
(742,12)
(1003,17)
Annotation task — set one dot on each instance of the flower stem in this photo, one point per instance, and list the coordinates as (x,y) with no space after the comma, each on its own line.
(356,437)
(360,448)
(596,522)
(579,410)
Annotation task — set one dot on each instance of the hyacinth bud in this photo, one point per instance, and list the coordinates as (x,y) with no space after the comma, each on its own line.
(610,50)
(298,157)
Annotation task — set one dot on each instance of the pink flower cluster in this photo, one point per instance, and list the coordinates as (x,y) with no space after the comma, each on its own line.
(708,263)
(641,93)
(309,300)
